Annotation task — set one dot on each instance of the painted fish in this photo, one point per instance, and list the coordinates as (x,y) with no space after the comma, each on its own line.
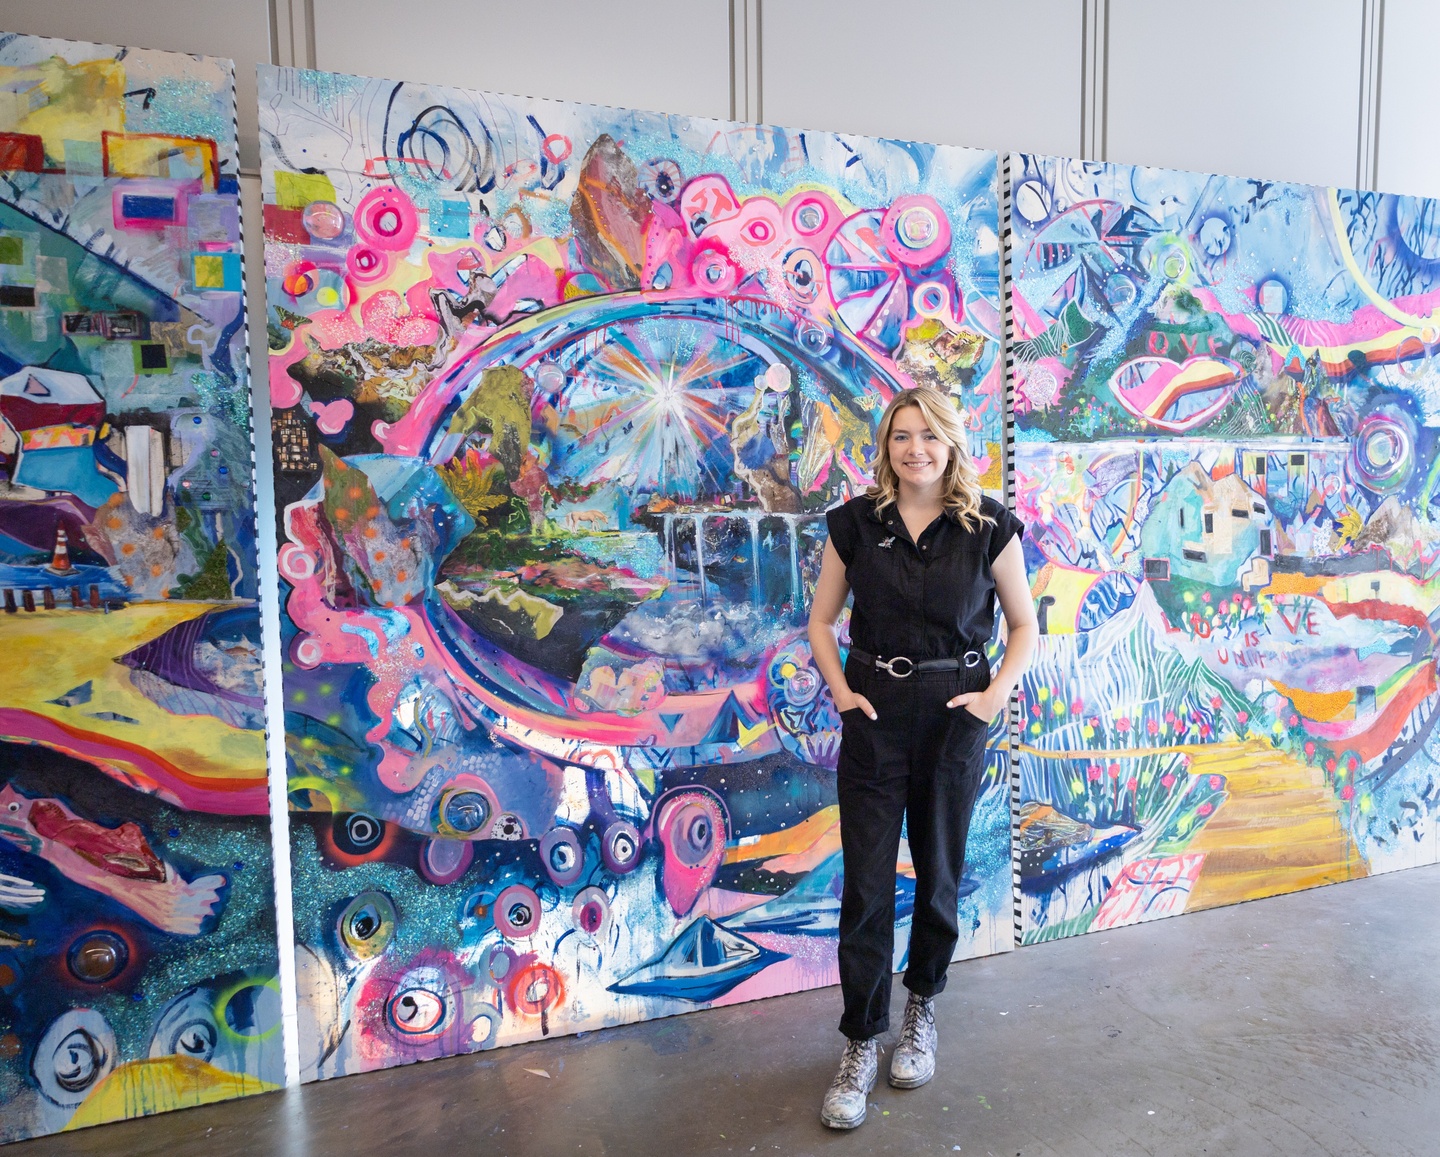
(10,940)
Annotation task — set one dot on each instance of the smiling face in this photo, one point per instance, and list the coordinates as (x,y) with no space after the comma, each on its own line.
(917,456)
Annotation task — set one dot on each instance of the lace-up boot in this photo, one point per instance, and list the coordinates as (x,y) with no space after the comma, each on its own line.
(844,1106)
(913,1062)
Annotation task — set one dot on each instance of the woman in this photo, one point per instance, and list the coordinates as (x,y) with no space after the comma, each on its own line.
(925,553)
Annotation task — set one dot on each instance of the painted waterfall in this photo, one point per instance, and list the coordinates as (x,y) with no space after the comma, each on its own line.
(137,934)
(1226,406)
(562,394)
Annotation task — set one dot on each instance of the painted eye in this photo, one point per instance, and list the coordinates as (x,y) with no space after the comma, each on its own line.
(517,912)
(367,924)
(416,1010)
(358,834)
(466,811)
(75,1053)
(591,911)
(620,847)
(562,856)
(14,805)
(98,956)
(77,1060)
(196,1039)
(508,826)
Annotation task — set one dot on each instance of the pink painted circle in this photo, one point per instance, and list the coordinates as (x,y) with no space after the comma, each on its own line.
(916,231)
(386,219)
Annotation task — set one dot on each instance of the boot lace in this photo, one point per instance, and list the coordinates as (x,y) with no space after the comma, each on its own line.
(919,1021)
(852,1064)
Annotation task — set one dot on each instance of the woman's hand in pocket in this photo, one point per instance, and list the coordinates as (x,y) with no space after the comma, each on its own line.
(851,701)
(981,704)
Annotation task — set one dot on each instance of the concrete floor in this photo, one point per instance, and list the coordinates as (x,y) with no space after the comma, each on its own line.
(1303,1025)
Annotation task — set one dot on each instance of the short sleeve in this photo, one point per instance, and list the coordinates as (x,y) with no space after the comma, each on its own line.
(843,532)
(1007,526)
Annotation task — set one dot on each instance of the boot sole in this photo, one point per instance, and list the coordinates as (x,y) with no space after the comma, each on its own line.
(834,1123)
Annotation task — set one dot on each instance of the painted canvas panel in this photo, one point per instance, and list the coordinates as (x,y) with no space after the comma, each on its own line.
(562,394)
(137,934)
(1226,408)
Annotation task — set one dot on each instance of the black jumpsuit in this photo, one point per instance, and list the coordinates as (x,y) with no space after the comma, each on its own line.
(931,599)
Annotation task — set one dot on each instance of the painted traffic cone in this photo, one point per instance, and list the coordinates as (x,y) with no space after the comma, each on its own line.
(60,560)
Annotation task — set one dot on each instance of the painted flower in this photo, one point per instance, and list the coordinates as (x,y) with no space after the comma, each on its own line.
(1122,724)
(1347,792)
(1204,809)
(1167,780)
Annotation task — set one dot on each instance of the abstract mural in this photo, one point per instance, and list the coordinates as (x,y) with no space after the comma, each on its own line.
(137,931)
(1226,410)
(561,396)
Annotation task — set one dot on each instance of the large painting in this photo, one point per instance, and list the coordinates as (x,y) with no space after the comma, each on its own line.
(1226,408)
(137,935)
(562,394)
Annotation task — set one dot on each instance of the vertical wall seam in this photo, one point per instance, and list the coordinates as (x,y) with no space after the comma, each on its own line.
(759,60)
(732,58)
(1094,79)
(1367,128)
(747,61)
(1360,102)
(274,16)
(1104,71)
(1377,88)
(1084,70)
(309,33)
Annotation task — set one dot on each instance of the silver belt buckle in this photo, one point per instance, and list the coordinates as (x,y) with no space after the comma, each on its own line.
(889,665)
(973,659)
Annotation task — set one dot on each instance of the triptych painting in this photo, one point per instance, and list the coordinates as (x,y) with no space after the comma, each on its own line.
(560,395)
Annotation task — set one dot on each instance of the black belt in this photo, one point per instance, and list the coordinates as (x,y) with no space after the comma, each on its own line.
(969,661)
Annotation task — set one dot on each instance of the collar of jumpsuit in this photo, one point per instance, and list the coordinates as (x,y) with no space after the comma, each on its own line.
(931,598)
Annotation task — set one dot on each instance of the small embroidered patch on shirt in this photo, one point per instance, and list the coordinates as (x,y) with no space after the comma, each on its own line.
(887,543)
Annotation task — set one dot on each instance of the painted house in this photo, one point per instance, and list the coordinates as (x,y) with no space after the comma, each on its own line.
(49,420)
(1211,530)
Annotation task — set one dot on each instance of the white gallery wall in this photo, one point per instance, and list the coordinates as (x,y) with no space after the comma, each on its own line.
(1333,91)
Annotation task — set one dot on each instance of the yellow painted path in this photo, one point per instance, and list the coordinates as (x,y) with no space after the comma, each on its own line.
(1280,830)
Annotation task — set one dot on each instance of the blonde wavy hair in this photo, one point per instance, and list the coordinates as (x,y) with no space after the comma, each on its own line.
(961,485)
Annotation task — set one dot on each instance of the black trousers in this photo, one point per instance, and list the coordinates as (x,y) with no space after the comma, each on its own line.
(920,762)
